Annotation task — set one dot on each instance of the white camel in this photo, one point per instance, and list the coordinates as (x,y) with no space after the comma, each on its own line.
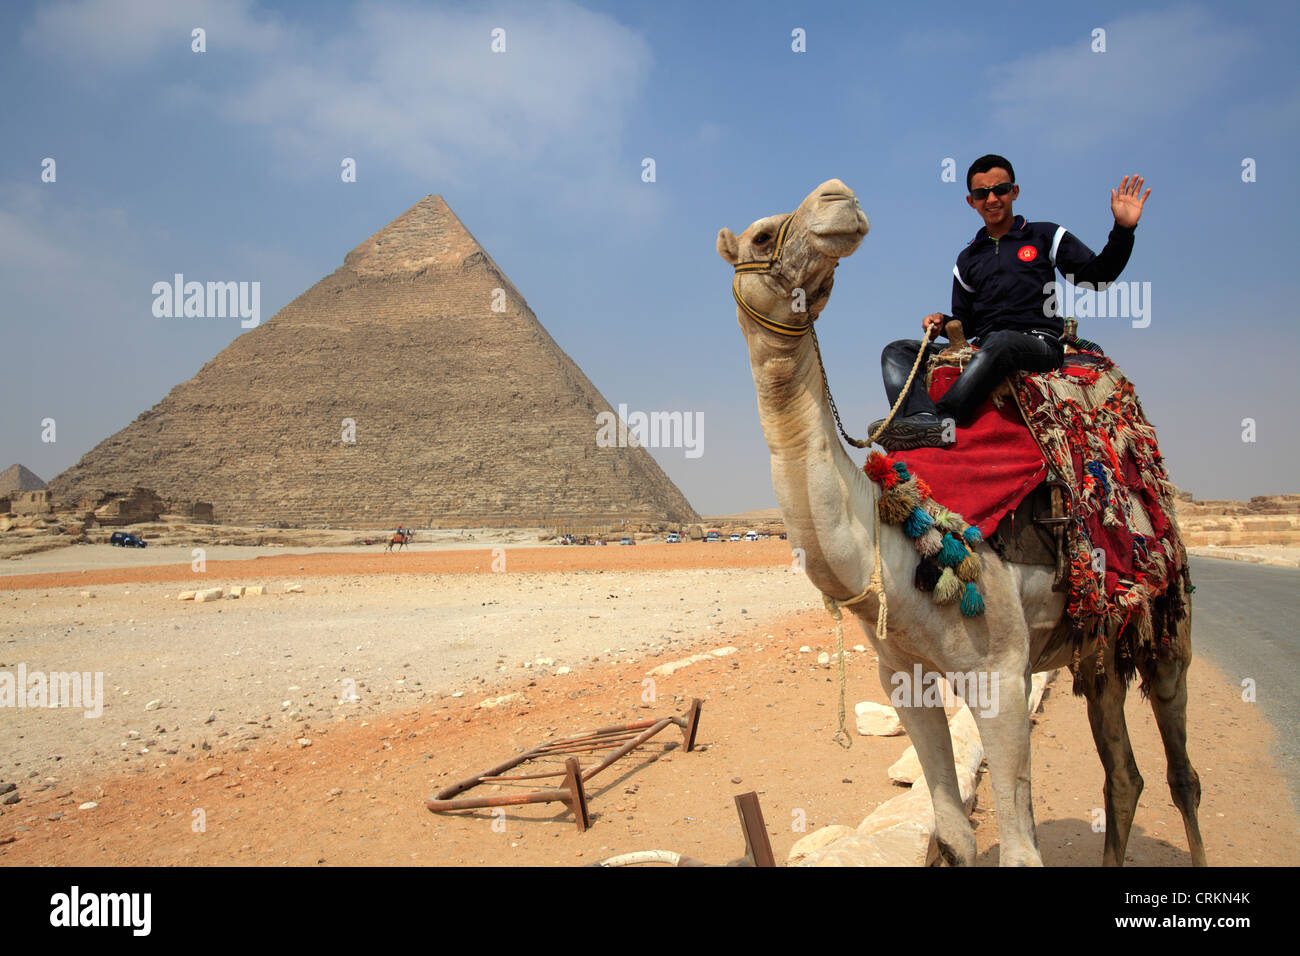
(785,268)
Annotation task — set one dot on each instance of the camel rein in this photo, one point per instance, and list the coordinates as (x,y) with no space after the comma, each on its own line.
(876,585)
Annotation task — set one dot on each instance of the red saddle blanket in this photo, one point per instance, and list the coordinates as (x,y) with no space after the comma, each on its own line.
(1127,563)
(990,467)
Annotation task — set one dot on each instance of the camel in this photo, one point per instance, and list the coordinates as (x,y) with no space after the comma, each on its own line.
(785,271)
(398,539)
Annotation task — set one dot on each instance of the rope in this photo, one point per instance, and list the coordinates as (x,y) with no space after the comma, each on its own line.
(920,354)
(833,605)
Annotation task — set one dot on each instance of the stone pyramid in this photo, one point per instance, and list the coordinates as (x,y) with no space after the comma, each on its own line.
(19,478)
(463,416)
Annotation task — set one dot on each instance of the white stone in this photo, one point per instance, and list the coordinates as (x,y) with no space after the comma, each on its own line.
(823,658)
(723,651)
(256,589)
(816,840)
(153,705)
(805,649)
(562,670)
(293,589)
(185,596)
(877,720)
(88,805)
(905,844)
(504,700)
(207,594)
(236,592)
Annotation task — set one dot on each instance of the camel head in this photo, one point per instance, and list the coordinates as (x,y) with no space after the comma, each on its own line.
(786,263)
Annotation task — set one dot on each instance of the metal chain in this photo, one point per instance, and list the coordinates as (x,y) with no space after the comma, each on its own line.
(826,383)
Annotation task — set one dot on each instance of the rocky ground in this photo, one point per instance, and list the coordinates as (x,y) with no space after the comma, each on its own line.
(308,727)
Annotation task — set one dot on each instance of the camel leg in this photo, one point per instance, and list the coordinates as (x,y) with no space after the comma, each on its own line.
(928,729)
(1110,734)
(1169,702)
(1005,735)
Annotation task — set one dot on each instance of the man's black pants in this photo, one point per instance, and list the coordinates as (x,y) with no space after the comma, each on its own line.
(999,354)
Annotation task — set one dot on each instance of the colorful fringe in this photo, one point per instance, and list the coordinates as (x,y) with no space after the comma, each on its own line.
(949,565)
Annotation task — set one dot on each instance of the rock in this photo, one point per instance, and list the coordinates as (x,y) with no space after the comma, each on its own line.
(207,594)
(304,741)
(723,651)
(913,806)
(7,788)
(10,799)
(505,700)
(89,805)
(905,844)
(824,658)
(237,592)
(153,705)
(817,840)
(805,649)
(877,720)
(185,596)
(255,590)
(214,772)
(562,670)
(293,589)
(88,594)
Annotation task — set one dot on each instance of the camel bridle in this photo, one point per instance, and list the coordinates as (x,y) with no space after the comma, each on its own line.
(772,267)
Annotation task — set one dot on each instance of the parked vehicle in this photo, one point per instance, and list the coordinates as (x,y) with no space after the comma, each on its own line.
(734,537)
(627,541)
(712,536)
(751,535)
(121,539)
(673,538)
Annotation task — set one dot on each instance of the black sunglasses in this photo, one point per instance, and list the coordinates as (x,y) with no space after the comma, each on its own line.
(1001,189)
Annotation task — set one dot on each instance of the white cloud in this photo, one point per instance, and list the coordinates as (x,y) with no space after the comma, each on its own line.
(1155,67)
(421,89)
(129,33)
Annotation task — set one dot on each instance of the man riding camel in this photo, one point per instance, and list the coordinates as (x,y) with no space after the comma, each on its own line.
(1001,290)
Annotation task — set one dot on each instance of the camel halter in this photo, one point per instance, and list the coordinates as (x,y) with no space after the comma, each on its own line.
(766,267)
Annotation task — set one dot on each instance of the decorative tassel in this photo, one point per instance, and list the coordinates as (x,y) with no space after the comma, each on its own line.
(948,589)
(943,519)
(972,605)
(923,489)
(894,507)
(952,552)
(969,568)
(972,536)
(927,576)
(876,466)
(930,543)
(901,468)
(917,523)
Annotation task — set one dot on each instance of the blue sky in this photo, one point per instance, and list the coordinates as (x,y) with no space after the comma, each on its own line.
(225,165)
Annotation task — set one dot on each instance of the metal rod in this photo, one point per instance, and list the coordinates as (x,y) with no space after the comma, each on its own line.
(630,745)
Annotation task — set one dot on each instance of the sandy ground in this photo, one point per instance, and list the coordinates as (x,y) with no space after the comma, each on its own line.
(216,771)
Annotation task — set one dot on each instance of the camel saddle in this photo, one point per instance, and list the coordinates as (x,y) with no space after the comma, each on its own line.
(1062,469)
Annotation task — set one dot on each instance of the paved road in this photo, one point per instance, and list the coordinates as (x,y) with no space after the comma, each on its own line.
(1246,619)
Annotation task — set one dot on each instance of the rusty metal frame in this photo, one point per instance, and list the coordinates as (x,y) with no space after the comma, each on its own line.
(621,738)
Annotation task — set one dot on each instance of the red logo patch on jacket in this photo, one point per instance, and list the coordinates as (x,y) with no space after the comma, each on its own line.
(1027,253)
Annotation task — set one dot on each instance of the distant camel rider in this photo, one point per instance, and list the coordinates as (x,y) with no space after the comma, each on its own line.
(1002,290)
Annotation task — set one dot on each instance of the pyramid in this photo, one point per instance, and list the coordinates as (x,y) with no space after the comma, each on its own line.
(462,416)
(19,478)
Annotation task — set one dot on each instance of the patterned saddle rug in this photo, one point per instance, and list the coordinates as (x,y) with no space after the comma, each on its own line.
(1127,567)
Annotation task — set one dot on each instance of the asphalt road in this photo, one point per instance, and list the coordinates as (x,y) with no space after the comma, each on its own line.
(1246,619)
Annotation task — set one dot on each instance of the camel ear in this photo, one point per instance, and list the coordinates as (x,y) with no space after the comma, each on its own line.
(728,246)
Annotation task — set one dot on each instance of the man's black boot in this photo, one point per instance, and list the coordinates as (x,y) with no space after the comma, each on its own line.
(921,430)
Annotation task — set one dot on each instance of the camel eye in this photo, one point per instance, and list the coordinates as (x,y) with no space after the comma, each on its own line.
(762,238)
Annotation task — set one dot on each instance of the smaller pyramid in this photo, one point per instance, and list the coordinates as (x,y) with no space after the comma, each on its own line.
(19,478)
